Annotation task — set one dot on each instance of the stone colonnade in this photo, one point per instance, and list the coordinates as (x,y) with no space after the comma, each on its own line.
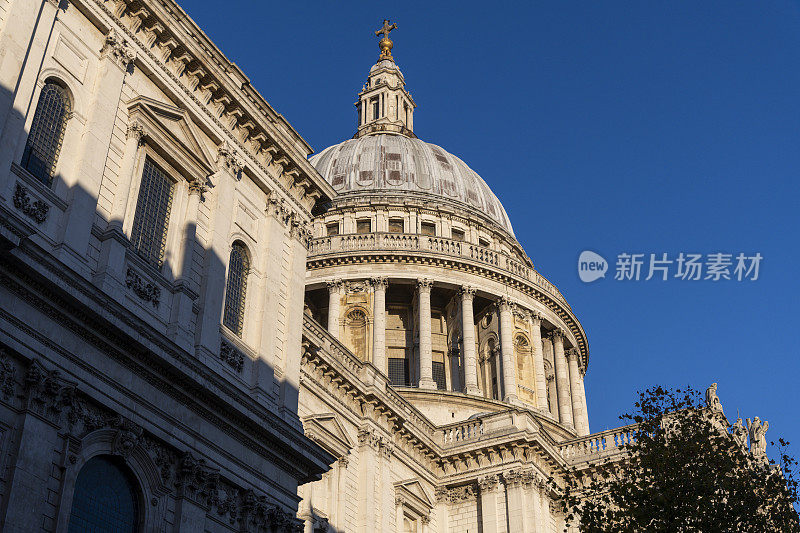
(571,409)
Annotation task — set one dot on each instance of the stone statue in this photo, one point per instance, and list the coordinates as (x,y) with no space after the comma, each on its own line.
(758,438)
(739,433)
(712,400)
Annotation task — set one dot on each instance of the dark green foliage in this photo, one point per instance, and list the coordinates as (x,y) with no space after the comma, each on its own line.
(685,473)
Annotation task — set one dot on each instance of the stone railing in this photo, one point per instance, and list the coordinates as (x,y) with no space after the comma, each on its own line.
(423,243)
(597,445)
(461,432)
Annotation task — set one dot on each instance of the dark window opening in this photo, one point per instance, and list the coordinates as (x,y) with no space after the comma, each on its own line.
(47,133)
(363,226)
(438,375)
(105,499)
(428,228)
(458,234)
(332,229)
(149,234)
(236,289)
(398,372)
(396,225)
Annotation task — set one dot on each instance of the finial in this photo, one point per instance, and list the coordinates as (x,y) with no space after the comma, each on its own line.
(385,44)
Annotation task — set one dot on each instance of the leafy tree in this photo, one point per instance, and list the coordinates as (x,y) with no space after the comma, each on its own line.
(685,472)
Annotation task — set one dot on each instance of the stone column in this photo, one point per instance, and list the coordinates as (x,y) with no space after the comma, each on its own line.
(340,502)
(425,346)
(180,321)
(507,350)
(468,336)
(562,379)
(379,324)
(517,512)
(575,389)
(538,361)
(488,503)
(334,302)
(111,268)
(585,408)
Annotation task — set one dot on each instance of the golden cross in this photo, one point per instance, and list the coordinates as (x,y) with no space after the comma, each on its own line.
(386,29)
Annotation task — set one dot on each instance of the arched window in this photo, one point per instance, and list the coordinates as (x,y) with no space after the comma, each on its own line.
(236,290)
(47,132)
(105,499)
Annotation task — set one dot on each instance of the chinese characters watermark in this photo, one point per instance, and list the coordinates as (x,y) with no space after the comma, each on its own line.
(717,266)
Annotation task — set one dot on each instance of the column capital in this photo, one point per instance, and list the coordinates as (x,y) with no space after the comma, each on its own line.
(335,285)
(117,48)
(228,158)
(467,292)
(504,303)
(571,353)
(424,285)
(379,283)
(535,316)
(487,483)
(557,333)
(197,187)
(135,131)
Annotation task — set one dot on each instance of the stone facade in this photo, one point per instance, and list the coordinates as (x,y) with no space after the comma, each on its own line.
(104,353)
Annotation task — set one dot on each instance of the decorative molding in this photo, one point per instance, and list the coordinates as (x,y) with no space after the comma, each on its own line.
(127,438)
(35,209)
(231,355)
(8,374)
(135,131)
(145,290)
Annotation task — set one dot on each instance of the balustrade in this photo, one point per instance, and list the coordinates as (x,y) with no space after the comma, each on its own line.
(462,432)
(598,444)
(440,245)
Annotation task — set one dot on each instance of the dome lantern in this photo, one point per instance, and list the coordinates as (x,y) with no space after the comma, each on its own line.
(384,105)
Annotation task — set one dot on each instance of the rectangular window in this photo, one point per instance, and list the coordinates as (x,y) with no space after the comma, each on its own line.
(398,372)
(332,229)
(458,234)
(428,228)
(363,226)
(396,225)
(438,375)
(150,223)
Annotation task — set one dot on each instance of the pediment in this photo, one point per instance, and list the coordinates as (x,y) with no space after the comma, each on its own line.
(329,433)
(414,495)
(173,133)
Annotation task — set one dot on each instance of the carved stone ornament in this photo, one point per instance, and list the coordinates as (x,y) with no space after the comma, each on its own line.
(117,48)
(232,356)
(145,290)
(135,131)
(227,158)
(487,483)
(424,285)
(379,283)
(48,394)
(467,293)
(8,374)
(198,186)
(35,209)
(128,437)
(356,287)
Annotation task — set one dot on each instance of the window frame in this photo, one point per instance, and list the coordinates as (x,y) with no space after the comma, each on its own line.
(67,119)
(247,270)
(362,221)
(396,220)
(427,224)
(133,202)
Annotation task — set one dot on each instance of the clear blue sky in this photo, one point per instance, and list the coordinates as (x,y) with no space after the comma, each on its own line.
(613,126)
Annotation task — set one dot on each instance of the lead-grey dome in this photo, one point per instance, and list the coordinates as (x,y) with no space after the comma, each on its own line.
(396,164)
